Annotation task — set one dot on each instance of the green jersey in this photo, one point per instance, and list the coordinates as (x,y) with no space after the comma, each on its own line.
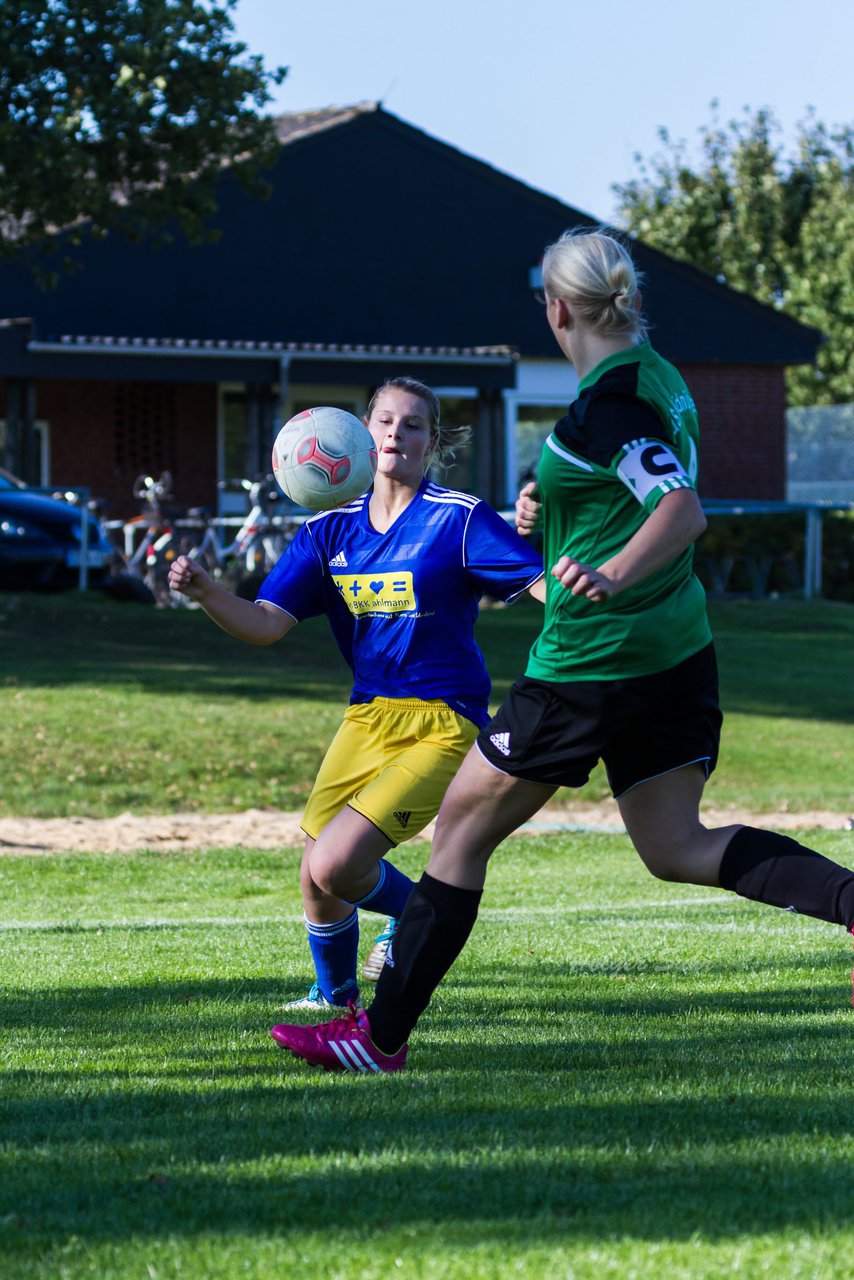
(630,438)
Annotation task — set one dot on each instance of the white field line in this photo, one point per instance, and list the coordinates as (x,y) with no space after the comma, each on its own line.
(605,913)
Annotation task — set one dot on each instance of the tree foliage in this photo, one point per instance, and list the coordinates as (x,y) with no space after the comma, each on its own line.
(122,114)
(774,224)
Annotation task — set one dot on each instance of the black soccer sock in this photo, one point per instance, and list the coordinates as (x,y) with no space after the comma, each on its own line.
(432,932)
(767,867)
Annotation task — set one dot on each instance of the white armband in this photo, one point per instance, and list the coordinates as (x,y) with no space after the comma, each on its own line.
(647,465)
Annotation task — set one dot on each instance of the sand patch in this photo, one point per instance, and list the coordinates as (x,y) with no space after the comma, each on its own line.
(260,829)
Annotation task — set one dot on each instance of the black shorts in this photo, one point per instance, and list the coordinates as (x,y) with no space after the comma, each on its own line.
(641,727)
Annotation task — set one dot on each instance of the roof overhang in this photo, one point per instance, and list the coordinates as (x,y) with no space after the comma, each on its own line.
(225,360)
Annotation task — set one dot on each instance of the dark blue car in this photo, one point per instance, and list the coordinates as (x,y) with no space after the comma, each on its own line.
(41,539)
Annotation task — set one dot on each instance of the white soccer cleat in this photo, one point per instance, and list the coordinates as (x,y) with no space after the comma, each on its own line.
(373,965)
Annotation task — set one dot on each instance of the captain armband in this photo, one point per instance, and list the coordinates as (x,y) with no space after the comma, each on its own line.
(647,466)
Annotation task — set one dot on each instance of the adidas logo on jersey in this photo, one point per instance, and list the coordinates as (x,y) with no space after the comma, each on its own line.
(402,816)
(339,561)
(502,742)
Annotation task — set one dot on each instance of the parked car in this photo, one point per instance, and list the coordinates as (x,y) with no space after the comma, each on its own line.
(41,539)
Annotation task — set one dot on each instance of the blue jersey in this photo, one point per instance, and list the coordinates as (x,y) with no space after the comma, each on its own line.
(402,604)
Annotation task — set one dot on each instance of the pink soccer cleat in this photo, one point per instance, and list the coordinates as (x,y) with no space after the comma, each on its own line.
(344,1044)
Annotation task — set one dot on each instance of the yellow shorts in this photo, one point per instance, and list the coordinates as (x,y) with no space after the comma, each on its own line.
(391,760)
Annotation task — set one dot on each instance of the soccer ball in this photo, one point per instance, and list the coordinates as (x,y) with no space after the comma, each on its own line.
(324,457)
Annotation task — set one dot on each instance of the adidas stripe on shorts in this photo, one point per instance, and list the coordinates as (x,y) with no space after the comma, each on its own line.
(391,760)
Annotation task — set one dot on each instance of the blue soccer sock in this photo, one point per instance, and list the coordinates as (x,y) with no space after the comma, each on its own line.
(334,949)
(390,894)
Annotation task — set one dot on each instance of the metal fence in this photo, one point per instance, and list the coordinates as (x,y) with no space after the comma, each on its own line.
(820,454)
(757,568)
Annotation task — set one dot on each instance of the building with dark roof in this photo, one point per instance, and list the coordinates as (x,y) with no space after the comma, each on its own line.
(380,250)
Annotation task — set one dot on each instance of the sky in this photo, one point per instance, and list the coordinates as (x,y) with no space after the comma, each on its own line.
(558,93)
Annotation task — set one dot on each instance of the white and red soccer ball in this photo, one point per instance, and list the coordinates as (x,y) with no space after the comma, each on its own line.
(324,457)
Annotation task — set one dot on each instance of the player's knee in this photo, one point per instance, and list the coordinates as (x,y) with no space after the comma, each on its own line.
(325,875)
(313,895)
(663,862)
(688,860)
(667,871)
(329,872)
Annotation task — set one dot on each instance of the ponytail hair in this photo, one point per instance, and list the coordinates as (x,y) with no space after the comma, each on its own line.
(593,271)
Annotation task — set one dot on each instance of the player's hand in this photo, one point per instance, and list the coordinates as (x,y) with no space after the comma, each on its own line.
(529,510)
(189,578)
(582,580)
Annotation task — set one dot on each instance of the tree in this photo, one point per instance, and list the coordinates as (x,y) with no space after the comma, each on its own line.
(121,114)
(777,226)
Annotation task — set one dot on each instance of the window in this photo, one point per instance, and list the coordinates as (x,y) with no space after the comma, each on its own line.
(42,439)
(145,424)
(543,390)
(458,411)
(534,423)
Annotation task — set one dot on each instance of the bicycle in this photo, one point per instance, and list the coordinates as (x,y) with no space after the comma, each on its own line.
(148,544)
(260,537)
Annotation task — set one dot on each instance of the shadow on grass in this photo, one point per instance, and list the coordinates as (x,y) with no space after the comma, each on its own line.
(68,639)
(777,659)
(65,640)
(665,1126)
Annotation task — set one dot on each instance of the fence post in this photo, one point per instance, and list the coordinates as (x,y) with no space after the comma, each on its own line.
(83,499)
(812,553)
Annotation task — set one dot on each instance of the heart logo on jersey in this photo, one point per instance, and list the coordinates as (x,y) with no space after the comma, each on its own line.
(376,586)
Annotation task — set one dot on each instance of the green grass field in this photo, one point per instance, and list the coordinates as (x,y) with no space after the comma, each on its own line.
(619,1078)
(106,707)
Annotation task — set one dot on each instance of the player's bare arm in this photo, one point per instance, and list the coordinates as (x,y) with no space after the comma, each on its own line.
(256,622)
(674,525)
(537,590)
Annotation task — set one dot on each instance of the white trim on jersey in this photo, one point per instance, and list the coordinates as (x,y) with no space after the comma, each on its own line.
(273,605)
(567,456)
(347,507)
(527,587)
(433,493)
(463,557)
(453,498)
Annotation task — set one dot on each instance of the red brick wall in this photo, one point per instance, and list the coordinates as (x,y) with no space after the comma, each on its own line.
(742,412)
(104,434)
